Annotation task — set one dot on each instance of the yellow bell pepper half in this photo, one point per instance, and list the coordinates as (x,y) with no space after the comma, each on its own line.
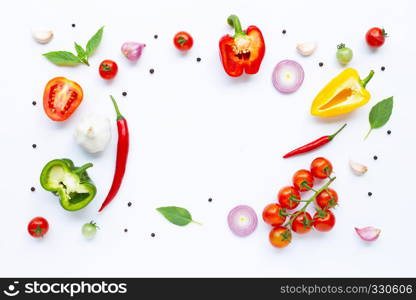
(342,94)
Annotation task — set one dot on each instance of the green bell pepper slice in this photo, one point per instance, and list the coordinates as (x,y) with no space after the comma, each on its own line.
(72,184)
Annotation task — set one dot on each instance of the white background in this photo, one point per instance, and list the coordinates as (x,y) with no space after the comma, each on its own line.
(197,133)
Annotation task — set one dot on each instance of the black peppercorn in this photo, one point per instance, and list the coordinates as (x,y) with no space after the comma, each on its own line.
(284,31)
(73,25)
(33,102)
(155,36)
(32,189)
(370,194)
(198,59)
(129,204)
(375,157)
(151,71)
(153,235)
(34,146)
(383,68)
(388,131)
(125,230)
(124,94)
(210,200)
(321,64)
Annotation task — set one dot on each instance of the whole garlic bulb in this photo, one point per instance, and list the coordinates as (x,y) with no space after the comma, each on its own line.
(93,133)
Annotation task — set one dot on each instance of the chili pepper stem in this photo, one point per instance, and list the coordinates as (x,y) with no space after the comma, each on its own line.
(367,79)
(119,115)
(335,134)
(234,22)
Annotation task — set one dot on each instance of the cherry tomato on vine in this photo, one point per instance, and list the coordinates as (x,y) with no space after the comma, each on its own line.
(323,220)
(321,168)
(108,69)
(274,214)
(61,98)
(38,227)
(280,237)
(327,199)
(302,223)
(287,196)
(183,41)
(303,179)
(375,37)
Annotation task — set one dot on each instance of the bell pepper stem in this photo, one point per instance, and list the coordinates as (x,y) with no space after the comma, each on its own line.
(234,22)
(335,134)
(83,168)
(119,115)
(367,79)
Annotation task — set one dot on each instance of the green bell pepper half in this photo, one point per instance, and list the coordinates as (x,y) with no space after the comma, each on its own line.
(72,184)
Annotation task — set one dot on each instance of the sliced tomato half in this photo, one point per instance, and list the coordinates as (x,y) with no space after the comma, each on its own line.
(61,98)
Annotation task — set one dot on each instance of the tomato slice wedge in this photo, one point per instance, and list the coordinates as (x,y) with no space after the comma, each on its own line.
(61,98)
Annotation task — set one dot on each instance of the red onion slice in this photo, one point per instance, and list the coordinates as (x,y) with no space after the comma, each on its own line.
(287,76)
(242,220)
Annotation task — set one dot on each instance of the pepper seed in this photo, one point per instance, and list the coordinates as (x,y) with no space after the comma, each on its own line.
(210,200)
(129,204)
(198,59)
(124,94)
(153,235)
(32,189)
(155,36)
(321,64)
(389,132)
(370,194)
(73,25)
(284,31)
(125,230)
(33,102)
(383,68)
(34,146)
(375,157)
(151,71)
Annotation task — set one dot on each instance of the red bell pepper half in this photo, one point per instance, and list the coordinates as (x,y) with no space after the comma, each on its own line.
(242,52)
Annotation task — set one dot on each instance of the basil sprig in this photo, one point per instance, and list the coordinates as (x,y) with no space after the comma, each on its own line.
(380,114)
(176,215)
(65,58)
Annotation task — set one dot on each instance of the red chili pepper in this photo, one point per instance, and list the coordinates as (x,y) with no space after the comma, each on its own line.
(243,51)
(122,153)
(313,145)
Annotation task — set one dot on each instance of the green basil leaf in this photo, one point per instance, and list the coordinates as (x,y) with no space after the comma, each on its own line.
(176,215)
(80,51)
(64,58)
(94,42)
(380,114)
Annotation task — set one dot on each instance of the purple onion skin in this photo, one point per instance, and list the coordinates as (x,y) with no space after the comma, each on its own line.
(132,50)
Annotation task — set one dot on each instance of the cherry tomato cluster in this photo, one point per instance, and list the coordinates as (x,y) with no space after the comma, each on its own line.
(284,216)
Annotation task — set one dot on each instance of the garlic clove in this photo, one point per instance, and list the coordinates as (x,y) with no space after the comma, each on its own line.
(42,36)
(306,48)
(357,168)
(368,234)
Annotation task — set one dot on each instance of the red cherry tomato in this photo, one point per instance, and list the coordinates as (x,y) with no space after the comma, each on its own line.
(108,69)
(287,196)
(38,227)
(324,220)
(280,237)
(375,37)
(303,179)
(302,223)
(321,168)
(327,199)
(274,214)
(183,41)
(61,98)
